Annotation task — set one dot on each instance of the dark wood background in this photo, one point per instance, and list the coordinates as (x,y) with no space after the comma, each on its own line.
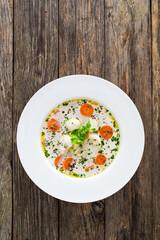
(41,40)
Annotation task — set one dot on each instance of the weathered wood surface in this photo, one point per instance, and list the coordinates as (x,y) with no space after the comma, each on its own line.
(114,39)
(6,77)
(35,213)
(156,117)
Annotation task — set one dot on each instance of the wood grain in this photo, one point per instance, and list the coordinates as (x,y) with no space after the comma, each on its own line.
(81,43)
(6,77)
(128,64)
(35,213)
(156,116)
(118,40)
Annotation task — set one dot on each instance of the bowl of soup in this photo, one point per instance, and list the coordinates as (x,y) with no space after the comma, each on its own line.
(80,138)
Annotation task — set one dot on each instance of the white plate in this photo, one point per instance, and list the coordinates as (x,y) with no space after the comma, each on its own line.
(80,190)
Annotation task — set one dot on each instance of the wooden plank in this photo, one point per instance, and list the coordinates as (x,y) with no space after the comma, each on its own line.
(156,116)
(81,25)
(128,64)
(35,213)
(6,77)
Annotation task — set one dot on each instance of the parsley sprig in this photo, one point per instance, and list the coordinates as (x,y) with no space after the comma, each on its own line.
(79,134)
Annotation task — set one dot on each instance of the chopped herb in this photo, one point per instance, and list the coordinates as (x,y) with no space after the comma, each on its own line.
(107,110)
(112,157)
(84,100)
(89,154)
(118,135)
(95,109)
(101,151)
(46,153)
(73,109)
(42,133)
(114,150)
(63,111)
(113,139)
(75,175)
(117,130)
(55,150)
(56,167)
(110,114)
(83,160)
(66,119)
(97,167)
(102,142)
(93,129)
(117,143)
(65,103)
(47,119)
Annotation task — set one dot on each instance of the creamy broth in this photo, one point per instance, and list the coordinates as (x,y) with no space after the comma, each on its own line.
(80,138)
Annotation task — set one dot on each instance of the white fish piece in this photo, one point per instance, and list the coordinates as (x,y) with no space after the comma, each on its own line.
(61,149)
(94,139)
(72,124)
(94,124)
(65,141)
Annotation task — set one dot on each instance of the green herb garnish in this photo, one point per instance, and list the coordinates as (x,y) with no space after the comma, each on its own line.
(83,160)
(65,103)
(101,151)
(112,157)
(46,153)
(42,133)
(102,142)
(114,150)
(113,139)
(79,134)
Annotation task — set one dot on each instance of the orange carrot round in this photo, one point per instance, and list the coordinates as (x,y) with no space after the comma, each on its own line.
(106,132)
(57,160)
(53,125)
(100,159)
(67,162)
(86,110)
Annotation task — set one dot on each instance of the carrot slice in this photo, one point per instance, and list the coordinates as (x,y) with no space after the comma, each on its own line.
(86,110)
(57,160)
(53,125)
(44,143)
(90,167)
(67,162)
(106,132)
(56,111)
(100,159)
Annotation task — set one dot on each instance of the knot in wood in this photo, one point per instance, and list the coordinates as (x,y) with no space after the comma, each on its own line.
(98,207)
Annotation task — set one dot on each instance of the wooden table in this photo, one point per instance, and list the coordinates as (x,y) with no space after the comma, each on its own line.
(118,40)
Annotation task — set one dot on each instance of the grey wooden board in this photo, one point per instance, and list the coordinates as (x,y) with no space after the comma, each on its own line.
(115,40)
